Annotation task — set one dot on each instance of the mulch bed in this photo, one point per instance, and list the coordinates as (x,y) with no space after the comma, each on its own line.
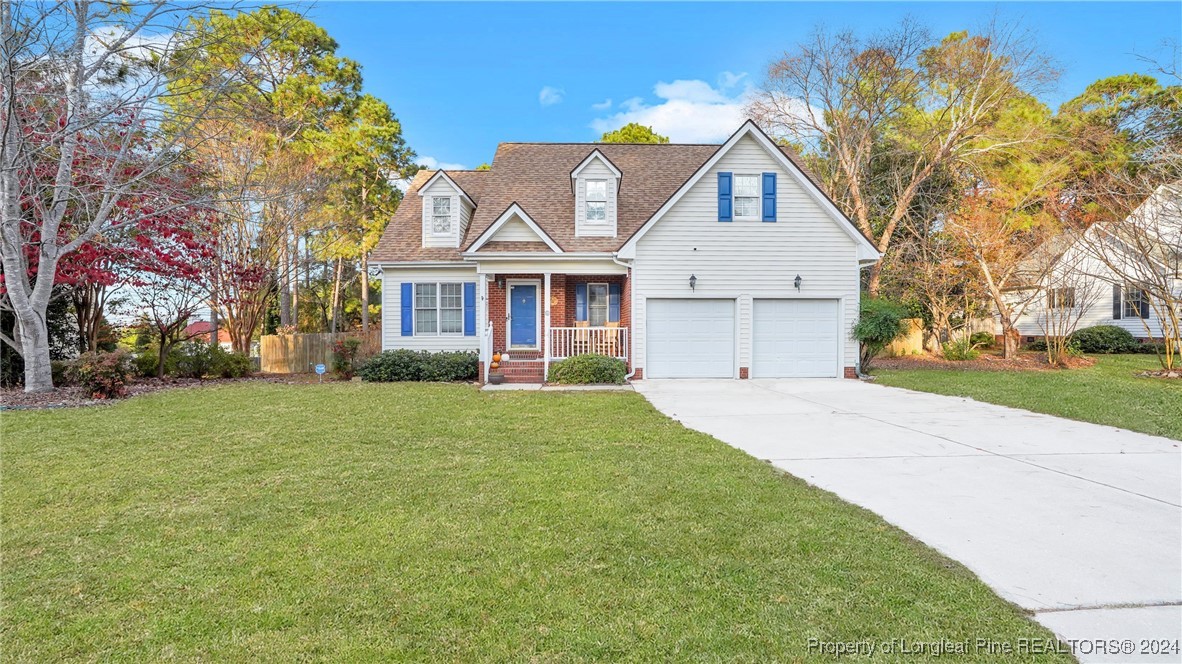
(73,396)
(988,361)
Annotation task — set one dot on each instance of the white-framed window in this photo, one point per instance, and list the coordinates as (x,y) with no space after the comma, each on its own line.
(596,201)
(1136,303)
(597,305)
(439,309)
(441,215)
(746,196)
(1061,298)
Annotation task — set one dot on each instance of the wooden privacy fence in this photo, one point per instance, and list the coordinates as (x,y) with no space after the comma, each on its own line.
(299,353)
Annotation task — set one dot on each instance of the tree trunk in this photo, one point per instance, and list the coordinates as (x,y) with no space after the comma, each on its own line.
(873,279)
(336,297)
(284,284)
(33,335)
(161,355)
(364,294)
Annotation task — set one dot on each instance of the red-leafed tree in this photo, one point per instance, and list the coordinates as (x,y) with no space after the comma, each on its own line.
(85,141)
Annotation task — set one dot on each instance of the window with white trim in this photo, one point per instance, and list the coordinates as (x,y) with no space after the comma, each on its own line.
(441,215)
(596,201)
(439,309)
(1061,298)
(746,196)
(597,305)
(1136,303)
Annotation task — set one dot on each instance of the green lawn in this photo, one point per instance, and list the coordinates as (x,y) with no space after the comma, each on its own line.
(353,522)
(1110,392)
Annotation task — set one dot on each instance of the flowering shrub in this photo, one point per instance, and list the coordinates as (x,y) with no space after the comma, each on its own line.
(103,375)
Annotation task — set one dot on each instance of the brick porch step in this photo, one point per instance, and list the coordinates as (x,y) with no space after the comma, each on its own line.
(523,371)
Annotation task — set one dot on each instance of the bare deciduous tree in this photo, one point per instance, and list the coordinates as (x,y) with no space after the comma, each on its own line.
(881,115)
(1144,251)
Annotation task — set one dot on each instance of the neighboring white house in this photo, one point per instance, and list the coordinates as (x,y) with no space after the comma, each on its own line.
(1101,294)
(720,261)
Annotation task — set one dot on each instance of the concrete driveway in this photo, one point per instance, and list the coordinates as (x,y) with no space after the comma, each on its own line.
(1079,523)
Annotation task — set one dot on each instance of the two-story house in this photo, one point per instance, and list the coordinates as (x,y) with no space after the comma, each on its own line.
(702,261)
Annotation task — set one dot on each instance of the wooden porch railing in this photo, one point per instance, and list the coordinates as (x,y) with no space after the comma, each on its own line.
(570,341)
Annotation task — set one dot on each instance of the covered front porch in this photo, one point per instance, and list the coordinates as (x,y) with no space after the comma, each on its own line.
(535,318)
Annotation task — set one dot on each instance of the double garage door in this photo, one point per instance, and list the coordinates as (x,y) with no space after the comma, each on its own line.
(696,338)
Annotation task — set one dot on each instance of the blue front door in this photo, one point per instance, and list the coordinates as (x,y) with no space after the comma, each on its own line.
(523,315)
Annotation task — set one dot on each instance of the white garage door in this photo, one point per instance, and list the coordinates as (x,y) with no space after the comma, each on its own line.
(794,339)
(690,339)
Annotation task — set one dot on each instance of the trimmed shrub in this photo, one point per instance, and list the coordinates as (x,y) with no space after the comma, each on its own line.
(103,375)
(344,355)
(1039,345)
(1104,339)
(450,366)
(403,365)
(1150,348)
(879,323)
(588,370)
(983,340)
(194,359)
(961,350)
(229,365)
(147,359)
(60,371)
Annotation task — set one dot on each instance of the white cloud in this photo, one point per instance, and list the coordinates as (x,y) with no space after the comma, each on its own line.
(688,111)
(603,105)
(729,79)
(550,95)
(431,163)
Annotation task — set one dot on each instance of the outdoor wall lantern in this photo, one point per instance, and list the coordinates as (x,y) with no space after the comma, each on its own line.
(796,282)
(500,282)
(693,281)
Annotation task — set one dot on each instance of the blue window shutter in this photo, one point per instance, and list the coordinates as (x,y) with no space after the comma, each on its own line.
(580,301)
(613,302)
(469,308)
(769,196)
(725,201)
(408,309)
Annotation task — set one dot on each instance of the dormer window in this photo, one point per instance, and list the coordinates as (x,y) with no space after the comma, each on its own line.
(746,196)
(441,215)
(596,201)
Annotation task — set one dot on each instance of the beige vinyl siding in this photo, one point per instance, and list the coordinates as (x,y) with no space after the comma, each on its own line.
(392,280)
(1100,277)
(744,260)
(596,170)
(515,230)
(460,215)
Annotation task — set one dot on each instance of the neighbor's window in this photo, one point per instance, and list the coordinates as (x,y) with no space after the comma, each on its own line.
(441,215)
(596,200)
(439,309)
(1061,298)
(597,304)
(1136,303)
(746,196)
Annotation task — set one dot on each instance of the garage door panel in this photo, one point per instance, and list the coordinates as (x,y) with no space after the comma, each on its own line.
(794,338)
(690,338)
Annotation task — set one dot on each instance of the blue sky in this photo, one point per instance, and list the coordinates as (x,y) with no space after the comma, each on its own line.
(463,77)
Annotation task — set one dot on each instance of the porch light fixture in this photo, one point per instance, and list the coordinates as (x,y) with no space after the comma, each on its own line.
(693,281)
(796,282)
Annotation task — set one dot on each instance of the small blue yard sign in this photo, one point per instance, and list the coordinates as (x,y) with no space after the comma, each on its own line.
(320,371)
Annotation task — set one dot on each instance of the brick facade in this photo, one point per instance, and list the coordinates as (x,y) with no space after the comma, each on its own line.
(743,373)
(851,372)
(562,300)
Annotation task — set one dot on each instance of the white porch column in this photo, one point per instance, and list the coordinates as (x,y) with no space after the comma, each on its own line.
(546,328)
(482,316)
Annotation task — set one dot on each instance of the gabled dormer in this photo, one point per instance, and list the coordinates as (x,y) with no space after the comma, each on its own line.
(596,186)
(446,211)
